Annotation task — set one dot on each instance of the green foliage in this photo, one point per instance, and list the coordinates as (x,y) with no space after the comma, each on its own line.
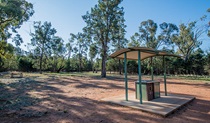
(188,39)
(104,33)
(97,64)
(135,41)
(69,50)
(147,37)
(25,64)
(197,60)
(132,67)
(147,31)
(93,50)
(57,54)
(103,23)
(42,40)
(112,65)
(12,15)
(86,64)
(6,53)
(195,64)
(208,62)
(6,49)
(80,48)
(67,65)
(168,30)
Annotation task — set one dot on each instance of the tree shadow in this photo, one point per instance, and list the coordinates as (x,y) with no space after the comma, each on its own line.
(54,104)
(15,94)
(203,85)
(86,82)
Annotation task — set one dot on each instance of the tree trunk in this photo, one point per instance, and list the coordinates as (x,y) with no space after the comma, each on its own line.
(103,69)
(58,71)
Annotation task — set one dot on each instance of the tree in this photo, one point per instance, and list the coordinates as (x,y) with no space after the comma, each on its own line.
(188,39)
(57,54)
(135,41)
(102,25)
(121,41)
(147,31)
(25,64)
(12,15)
(147,34)
(198,61)
(69,49)
(93,50)
(112,65)
(6,52)
(80,47)
(6,49)
(42,39)
(168,30)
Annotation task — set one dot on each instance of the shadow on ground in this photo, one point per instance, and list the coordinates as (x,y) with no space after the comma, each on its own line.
(63,100)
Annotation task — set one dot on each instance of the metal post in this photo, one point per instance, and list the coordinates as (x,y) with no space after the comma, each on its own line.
(126,79)
(152,69)
(164,65)
(139,68)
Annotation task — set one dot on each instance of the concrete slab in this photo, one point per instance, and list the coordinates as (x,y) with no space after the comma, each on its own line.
(163,106)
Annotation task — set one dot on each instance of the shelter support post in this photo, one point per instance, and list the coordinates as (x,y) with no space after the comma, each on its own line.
(139,69)
(164,65)
(152,69)
(126,79)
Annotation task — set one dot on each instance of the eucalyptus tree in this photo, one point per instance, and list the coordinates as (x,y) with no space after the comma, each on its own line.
(147,35)
(188,39)
(6,52)
(42,39)
(93,51)
(102,26)
(6,49)
(197,58)
(135,40)
(119,40)
(12,15)
(168,30)
(147,31)
(80,47)
(69,50)
(58,53)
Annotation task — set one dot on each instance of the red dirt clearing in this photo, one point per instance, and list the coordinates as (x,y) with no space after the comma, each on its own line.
(78,100)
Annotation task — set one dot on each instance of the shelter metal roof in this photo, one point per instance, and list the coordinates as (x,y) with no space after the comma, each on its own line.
(132,53)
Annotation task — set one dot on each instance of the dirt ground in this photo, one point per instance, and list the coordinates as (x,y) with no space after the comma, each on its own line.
(71,99)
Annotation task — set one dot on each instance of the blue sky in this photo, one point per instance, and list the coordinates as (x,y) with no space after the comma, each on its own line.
(66,15)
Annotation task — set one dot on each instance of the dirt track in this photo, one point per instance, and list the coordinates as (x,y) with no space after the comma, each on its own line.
(78,100)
